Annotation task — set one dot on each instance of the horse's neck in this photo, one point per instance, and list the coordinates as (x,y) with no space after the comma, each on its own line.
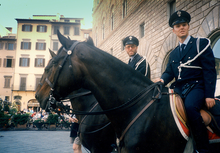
(112,81)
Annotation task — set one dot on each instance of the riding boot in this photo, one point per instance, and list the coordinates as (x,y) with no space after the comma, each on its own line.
(200,135)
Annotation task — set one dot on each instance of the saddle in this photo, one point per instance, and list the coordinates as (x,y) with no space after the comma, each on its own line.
(208,118)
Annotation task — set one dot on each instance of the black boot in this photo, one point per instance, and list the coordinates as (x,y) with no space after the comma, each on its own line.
(200,135)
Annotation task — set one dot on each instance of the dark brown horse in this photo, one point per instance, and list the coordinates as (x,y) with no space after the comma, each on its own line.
(95,131)
(122,92)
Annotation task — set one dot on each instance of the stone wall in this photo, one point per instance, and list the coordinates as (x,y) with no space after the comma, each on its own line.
(159,39)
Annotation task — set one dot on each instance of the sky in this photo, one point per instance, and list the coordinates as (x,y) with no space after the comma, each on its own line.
(25,9)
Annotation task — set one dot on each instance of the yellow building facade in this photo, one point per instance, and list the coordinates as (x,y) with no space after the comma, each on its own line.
(34,38)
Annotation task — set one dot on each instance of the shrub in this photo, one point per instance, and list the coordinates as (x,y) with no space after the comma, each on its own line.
(20,119)
(52,119)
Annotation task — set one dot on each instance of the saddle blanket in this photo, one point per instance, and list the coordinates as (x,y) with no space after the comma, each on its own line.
(213,138)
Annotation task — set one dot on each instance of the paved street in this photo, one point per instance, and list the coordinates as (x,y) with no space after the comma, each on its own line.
(35,141)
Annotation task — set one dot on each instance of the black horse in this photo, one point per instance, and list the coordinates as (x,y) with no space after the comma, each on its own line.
(142,123)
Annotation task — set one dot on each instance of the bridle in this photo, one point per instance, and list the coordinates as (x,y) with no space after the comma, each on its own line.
(52,100)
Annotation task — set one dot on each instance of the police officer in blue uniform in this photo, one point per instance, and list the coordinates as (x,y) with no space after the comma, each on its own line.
(192,64)
(136,61)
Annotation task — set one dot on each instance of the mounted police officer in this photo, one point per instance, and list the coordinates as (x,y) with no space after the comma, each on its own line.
(192,64)
(136,61)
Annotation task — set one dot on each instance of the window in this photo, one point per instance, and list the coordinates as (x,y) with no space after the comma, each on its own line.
(55,28)
(142,30)
(41,28)
(23,84)
(103,32)
(7,98)
(39,62)
(8,62)
(1,45)
(111,51)
(7,81)
(26,45)
(86,35)
(55,46)
(40,46)
(26,27)
(66,20)
(37,82)
(66,30)
(77,21)
(216,52)
(9,46)
(24,62)
(112,19)
(124,9)
(172,7)
(76,30)
(17,97)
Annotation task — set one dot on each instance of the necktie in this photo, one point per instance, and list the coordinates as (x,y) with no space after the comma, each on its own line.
(182,49)
(129,61)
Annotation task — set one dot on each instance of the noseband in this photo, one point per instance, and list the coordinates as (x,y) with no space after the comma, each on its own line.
(52,100)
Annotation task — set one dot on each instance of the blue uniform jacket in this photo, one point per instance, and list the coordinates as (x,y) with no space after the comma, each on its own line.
(142,66)
(205,77)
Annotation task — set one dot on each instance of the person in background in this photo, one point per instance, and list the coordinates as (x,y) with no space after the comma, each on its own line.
(136,61)
(73,135)
(192,64)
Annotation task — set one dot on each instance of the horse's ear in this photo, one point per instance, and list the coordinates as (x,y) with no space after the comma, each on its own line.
(63,40)
(52,53)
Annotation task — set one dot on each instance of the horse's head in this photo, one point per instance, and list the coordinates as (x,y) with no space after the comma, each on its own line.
(61,75)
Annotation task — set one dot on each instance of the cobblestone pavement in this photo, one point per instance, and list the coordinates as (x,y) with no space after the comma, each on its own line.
(35,142)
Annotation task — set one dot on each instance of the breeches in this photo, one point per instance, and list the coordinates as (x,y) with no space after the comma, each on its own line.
(193,102)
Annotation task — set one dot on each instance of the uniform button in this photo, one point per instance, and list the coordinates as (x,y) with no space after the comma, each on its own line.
(180,61)
(197,81)
(188,57)
(173,61)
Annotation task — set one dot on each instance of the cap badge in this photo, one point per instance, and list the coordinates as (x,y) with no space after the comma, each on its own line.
(130,37)
(179,13)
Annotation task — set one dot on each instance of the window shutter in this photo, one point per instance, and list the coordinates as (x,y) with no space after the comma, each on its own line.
(44,46)
(20,61)
(13,63)
(29,45)
(22,44)
(35,64)
(23,26)
(4,63)
(36,45)
(28,62)
(38,27)
(43,62)
(6,46)
(45,28)
(23,83)
(30,27)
